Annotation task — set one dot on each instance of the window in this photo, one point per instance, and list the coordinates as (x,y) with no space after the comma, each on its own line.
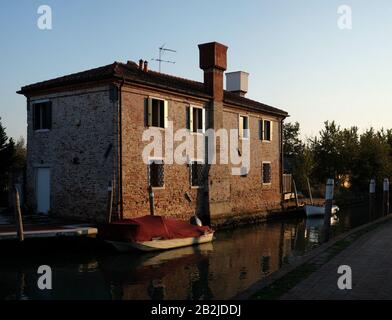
(157,113)
(266,173)
(195,119)
(265,130)
(197,174)
(42,115)
(243,127)
(156,173)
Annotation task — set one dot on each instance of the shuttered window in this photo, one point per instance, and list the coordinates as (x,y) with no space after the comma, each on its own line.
(195,119)
(42,115)
(243,127)
(157,113)
(265,130)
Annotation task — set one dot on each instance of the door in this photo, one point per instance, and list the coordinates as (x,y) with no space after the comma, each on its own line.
(43,190)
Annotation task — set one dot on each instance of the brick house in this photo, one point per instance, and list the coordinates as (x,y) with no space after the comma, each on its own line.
(85,131)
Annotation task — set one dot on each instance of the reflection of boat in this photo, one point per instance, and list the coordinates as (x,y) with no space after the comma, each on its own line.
(166,256)
(312,210)
(137,267)
(151,233)
(318,222)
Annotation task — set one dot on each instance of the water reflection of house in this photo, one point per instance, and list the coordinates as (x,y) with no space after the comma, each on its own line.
(237,260)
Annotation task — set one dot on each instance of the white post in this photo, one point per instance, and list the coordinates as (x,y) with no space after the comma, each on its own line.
(372,198)
(329,188)
(372,186)
(386,196)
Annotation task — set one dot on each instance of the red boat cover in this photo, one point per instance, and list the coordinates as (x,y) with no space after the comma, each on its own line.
(147,228)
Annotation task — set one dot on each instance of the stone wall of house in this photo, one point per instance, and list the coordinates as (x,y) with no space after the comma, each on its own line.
(177,198)
(248,196)
(80,150)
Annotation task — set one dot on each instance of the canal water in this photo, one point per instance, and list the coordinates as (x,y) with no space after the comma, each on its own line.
(219,270)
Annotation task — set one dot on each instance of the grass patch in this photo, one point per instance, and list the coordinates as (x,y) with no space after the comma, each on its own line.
(284,284)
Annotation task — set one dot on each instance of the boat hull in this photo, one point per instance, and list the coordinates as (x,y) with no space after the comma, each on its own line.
(156,245)
(312,211)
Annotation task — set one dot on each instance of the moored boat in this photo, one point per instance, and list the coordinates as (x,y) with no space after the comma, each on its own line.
(150,233)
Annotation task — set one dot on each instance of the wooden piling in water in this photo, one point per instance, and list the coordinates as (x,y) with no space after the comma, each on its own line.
(18,216)
(372,199)
(385,196)
(328,209)
(151,199)
(295,194)
(110,202)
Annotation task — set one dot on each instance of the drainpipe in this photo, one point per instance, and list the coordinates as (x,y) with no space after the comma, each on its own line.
(121,215)
(281,160)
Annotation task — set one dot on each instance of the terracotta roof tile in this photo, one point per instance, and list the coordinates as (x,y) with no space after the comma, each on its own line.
(131,72)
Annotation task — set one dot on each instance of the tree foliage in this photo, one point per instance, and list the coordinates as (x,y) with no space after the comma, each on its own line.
(352,159)
(12,158)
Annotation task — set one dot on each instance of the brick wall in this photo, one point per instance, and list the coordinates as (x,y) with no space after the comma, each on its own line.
(83,127)
(177,198)
(247,194)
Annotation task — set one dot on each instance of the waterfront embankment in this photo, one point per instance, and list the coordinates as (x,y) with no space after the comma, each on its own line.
(365,249)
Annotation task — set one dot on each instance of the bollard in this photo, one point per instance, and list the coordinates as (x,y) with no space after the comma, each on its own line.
(18,216)
(328,208)
(110,202)
(151,198)
(385,196)
(372,199)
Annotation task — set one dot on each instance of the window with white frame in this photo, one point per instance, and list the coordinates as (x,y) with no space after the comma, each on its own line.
(265,130)
(42,115)
(195,119)
(156,173)
(266,172)
(157,112)
(243,127)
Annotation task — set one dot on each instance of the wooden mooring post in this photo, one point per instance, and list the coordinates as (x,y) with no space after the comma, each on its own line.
(328,209)
(372,199)
(110,202)
(385,196)
(18,216)
(151,199)
(295,194)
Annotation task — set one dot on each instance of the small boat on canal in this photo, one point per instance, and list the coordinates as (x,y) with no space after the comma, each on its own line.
(152,233)
(313,210)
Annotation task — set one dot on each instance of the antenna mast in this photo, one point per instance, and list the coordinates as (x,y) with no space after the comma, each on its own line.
(162,50)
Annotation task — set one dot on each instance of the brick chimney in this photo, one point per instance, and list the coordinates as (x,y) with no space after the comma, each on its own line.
(213,61)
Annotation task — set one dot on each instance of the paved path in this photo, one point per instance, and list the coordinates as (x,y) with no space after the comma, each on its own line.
(370,258)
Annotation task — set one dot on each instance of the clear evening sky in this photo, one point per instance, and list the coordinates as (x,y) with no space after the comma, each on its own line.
(297,57)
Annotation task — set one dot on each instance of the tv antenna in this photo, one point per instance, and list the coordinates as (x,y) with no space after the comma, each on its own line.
(162,50)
